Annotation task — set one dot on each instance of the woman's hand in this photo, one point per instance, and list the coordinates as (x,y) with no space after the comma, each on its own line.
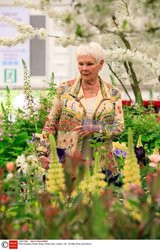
(44,161)
(85,130)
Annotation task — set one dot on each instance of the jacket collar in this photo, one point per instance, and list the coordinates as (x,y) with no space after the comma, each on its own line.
(77,92)
(75,88)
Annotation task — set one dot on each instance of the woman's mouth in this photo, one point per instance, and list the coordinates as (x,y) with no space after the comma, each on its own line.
(85,74)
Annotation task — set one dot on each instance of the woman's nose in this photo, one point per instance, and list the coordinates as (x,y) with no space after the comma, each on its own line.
(84,67)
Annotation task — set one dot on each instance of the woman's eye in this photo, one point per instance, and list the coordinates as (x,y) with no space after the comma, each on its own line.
(87,64)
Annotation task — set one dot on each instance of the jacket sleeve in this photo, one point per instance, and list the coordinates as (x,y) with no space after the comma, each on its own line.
(115,125)
(51,124)
(118,124)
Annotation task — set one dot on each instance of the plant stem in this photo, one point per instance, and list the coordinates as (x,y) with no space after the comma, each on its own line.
(119,81)
(132,75)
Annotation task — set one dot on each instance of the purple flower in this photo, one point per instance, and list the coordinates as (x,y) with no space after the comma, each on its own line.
(118,152)
(140,154)
(61,154)
(124,154)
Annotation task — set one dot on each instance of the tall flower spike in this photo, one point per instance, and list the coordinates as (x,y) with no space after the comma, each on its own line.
(156,151)
(131,173)
(98,177)
(139,143)
(51,89)
(131,169)
(54,156)
(28,90)
(140,153)
(130,142)
(92,184)
(97,168)
(55,178)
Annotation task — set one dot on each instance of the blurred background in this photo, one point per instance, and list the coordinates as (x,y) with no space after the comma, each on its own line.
(42,56)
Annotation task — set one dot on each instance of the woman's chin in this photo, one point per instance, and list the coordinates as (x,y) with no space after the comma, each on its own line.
(85,77)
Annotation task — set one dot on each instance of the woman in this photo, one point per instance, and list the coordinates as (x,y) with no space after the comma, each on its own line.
(84,109)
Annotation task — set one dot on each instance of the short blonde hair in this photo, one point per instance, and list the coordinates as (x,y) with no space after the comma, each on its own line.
(91,49)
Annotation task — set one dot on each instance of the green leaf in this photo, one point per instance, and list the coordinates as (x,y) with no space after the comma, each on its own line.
(98,219)
(19,149)
(22,137)
(124,24)
(2,150)
(134,202)
(79,31)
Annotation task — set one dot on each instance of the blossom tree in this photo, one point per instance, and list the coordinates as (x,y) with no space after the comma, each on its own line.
(128,30)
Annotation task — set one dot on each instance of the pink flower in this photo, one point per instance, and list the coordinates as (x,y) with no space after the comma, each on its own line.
(152,164)
(155,159)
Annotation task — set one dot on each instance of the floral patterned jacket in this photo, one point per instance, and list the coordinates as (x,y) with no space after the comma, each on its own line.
(69,110)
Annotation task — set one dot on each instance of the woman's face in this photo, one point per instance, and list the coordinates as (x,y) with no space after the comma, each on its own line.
(89,67)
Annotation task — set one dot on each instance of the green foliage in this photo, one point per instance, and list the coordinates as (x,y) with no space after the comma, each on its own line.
(98,218)
(13,145)
(6,110)
(15,135)
(143,122)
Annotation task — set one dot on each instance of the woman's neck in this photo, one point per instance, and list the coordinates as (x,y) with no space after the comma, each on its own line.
(90,88)
(90,84)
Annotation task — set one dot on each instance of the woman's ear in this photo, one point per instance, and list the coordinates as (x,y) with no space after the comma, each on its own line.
(101,62)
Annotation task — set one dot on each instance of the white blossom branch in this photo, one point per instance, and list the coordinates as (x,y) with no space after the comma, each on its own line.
(122,55)
(26,32)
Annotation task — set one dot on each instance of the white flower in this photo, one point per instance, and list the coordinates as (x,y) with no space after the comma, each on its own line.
(40,173)
(41,33)
(31,160)
(12,118)
(9,176)
(21,164)
(20,160)
(23,169)
(122,55)
(26,32)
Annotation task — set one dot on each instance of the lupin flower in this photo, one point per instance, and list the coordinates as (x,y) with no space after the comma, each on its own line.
(55,177)
(131,169)
(92,184)
(154,158)
(98,177)
(140,152)
(132,177)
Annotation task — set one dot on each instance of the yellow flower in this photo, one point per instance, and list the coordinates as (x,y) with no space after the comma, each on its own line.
(131,173)
(55,177)
(102,184)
